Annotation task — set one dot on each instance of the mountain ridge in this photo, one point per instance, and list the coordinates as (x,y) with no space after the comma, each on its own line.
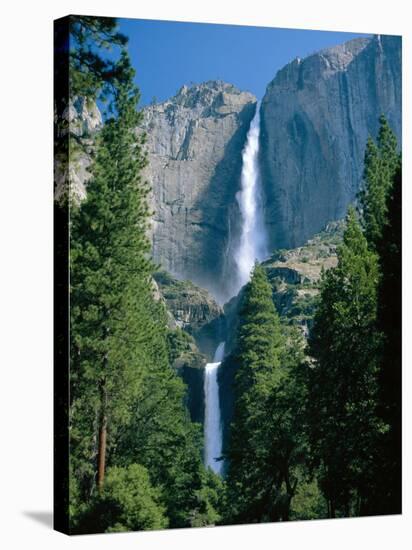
(316,115)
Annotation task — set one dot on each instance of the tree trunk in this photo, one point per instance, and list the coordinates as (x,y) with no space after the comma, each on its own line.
(101,458)
(286,508)
(291,490)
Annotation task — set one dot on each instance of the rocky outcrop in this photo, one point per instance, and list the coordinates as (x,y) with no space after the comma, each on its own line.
(303,265)
(83,117)
(197,326)
(195,143)
(295,274)
(316,116)
(194,310)
(81,121)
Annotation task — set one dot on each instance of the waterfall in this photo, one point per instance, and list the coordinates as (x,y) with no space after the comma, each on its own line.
(252,246)
(213,428)
(253,241)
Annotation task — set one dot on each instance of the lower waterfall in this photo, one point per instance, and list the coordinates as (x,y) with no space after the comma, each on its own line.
(213,427)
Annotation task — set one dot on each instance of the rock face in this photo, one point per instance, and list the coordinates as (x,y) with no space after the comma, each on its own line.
(295,274)
(83,116)
(303,265)
(194,310)
(83,120)
(195,143)
(316,116)
(315,119)
(199,324)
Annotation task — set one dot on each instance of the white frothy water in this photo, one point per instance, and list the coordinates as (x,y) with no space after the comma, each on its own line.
(253,240)
(213,428)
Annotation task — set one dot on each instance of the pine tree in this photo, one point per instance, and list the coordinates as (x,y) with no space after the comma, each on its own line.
(87,51)
(162,438)
(129,502)
(110,280)
(342,399)
(252,484)
(127,403)
(92,71)
(381,162)
(387,499)
(259,340)
(381,208)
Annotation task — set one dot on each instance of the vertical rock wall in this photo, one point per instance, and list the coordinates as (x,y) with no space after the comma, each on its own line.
(316,116)
(195,143)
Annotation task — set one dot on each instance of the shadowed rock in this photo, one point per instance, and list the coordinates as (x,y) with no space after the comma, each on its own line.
(316,116)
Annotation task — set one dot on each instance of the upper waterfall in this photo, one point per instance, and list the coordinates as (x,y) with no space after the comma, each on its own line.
(253,240)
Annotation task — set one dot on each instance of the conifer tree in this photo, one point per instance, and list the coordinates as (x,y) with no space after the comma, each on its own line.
(128,502)
(161,437)
(110,278)
(253,484)
(342,400)
(381,208)
(127,403)
(381,162)
(93,73)
(387,499)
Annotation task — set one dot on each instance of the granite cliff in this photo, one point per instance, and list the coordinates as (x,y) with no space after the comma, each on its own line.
(195,143)
(316,116)
(82,120)
(193,310)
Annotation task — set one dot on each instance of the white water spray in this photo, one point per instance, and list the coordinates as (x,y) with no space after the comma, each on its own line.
(213,427)
(253,240)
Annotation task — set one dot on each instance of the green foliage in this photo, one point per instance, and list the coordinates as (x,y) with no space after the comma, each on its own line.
(266,440)
(91,71)
(210,497)
(259,337)
(342,400)
(128,503)
(121,380)
(381,202)
(387,498)
(182,349)
(161,435)
(308,501)
(381,162)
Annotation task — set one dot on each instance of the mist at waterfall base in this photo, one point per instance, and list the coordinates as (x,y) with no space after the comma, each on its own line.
(213,427)
(252,247)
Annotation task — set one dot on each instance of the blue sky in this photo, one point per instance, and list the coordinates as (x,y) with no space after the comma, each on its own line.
(168,54)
